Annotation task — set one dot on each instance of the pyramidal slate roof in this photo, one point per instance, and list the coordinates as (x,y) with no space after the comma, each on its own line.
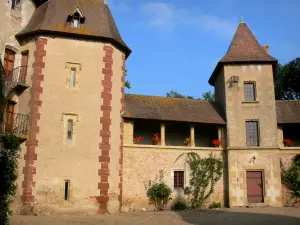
(244,48)
(51,18)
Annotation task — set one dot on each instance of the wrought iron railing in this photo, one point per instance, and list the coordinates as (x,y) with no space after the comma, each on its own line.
(15,78)
(16,123)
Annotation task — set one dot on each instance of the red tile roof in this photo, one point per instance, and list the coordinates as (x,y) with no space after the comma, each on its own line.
(288,111)
(244,48)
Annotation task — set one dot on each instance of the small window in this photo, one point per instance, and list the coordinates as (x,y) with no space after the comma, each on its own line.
(249,91)
(252,133)
(16,4)
(67,190)
(179,179)
(70,129)
(75,23)
(73,78)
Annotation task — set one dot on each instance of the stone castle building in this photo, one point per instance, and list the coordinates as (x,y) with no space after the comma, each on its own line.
(64,63)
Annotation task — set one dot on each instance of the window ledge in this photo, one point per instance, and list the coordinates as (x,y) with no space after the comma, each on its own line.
(173,147)
(249,102)
(290,148)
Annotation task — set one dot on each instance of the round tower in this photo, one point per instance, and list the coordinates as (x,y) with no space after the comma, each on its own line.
(73,156)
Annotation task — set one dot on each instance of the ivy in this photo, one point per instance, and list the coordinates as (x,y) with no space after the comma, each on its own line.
(9,155)
(205,173)
(159,193)
(290,177)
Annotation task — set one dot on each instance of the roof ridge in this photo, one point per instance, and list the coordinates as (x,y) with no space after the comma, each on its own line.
(156,96)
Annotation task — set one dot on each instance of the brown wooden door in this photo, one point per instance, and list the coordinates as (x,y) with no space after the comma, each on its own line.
(9,123)
(24,64)
(255,192)
(9,60)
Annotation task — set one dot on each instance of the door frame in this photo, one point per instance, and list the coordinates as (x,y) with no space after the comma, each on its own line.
(263,183)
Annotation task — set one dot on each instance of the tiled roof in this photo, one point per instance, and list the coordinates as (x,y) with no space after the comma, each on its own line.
(51,18)
(244,48)
(172,109)
(288,111)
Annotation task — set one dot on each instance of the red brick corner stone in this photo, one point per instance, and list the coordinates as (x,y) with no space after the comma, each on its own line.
(36,91)
(105,122)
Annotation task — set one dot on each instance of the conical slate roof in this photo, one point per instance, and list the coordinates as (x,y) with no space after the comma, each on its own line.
(244,48)
(51,18)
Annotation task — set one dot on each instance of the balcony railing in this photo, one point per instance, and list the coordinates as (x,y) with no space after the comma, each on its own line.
(16,123)
(16,78)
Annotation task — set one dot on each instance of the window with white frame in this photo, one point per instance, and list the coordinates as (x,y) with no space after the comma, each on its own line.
(249,91)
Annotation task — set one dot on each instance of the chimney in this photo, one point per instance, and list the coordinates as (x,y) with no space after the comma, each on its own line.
(266,48)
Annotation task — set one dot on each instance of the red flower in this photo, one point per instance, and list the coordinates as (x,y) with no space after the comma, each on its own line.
(138,139)
(217,143)
(288,142)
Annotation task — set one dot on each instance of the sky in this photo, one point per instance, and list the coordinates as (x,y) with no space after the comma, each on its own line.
(176,44)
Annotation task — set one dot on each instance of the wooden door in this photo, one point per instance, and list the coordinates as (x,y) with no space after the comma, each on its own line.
(255,192)
(24,64)
(9,60)
(9,123)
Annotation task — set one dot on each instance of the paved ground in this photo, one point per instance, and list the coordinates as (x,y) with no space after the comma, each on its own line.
(238,216)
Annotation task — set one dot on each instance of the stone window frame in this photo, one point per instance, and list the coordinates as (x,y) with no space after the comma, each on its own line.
(69,67)
(254,91)
(257,131)
(66,117)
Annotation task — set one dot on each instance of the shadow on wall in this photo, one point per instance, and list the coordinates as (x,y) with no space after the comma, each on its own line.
(248,216)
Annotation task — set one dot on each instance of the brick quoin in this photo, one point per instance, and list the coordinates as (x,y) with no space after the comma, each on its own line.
(122,131)
(105,121)
(36,91)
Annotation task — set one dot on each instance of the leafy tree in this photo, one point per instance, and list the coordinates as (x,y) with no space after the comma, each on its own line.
(127,83)
(175,94)
(208,96)
(287,81)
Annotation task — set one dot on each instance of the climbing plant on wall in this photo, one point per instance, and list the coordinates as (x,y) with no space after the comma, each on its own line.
(290,177)
(204,174)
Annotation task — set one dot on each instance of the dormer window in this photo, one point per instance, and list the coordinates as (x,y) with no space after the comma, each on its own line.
(76,19)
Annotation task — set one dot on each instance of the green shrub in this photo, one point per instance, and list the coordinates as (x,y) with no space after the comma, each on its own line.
(215,205)
(9,155)
(159,193)
(291,177)
(179,205)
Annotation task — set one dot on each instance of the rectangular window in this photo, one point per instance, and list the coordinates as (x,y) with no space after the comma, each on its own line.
(75,23)
(252,133)
(16,4)
(70,129)
(179,179)
(249,91)
(73,78)
(67,190)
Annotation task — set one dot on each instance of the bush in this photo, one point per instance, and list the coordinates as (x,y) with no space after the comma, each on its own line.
(9,155)
(215,205)
(179,205)
(291,178)
(159,193)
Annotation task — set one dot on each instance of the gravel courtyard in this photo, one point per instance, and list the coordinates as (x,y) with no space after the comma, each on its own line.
(237,216)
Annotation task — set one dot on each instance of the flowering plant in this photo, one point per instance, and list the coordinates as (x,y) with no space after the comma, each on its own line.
(187,141)
(138,139)
(217,143)
(288,142)
(156,139)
